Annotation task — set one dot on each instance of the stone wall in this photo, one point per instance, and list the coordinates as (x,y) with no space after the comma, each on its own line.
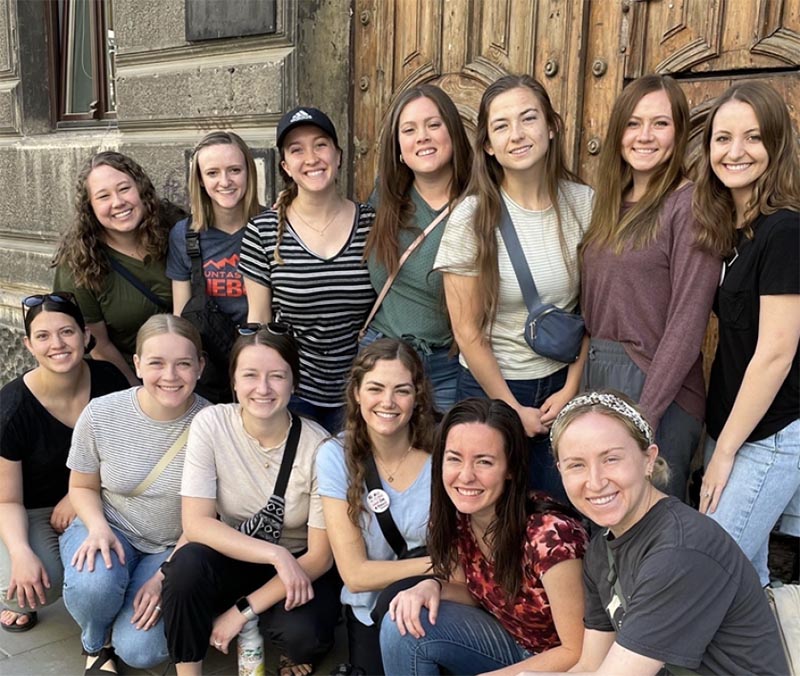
(170,92)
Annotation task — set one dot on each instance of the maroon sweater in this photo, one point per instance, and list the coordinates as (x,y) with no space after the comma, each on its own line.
(656,302)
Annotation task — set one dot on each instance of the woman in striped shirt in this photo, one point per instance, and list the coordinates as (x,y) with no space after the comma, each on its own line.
(303,263)
(127,501)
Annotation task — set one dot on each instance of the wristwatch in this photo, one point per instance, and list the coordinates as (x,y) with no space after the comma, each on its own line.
(243,606)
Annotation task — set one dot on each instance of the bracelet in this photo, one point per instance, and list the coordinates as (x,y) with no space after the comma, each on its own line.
(436,580)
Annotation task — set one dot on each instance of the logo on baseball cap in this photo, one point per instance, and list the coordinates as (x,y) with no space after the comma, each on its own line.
(305,115)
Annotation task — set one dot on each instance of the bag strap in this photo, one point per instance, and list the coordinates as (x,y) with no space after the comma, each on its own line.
(385,520)
(161,465)
(196,259)
(390,280)
(135,282)
(289,453)
(515,253)
(613,578)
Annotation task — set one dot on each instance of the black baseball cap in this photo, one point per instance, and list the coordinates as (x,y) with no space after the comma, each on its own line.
(305,115)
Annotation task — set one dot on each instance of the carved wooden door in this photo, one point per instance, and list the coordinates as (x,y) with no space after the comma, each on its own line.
(583,51)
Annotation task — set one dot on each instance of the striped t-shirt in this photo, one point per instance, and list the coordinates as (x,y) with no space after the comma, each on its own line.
(114,437)
(538,236)
(326,300)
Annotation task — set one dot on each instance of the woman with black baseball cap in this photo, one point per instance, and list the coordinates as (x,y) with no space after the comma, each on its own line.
(303,263)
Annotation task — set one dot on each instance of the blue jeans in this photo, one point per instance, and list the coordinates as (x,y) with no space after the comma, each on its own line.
(542,472)
(763,485)
(101,602)
(464,640)
(330,417)
(441,369)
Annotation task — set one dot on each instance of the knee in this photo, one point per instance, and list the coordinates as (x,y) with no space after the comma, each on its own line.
(100,584)
(187,572)
(393,643)
(140,649)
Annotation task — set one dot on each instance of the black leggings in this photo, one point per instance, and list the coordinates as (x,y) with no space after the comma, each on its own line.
(200,583)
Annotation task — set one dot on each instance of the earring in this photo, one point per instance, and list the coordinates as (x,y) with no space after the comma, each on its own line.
(402,161)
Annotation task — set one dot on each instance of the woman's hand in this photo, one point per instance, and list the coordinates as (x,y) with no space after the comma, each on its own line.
(294,578)
(63,515)
(226,627)
(146,608)
(553,404)
(102,540)
(405,608)
(28,580)
(532,420)
(715,479)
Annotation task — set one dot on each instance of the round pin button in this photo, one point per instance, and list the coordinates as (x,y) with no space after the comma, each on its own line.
(378,500)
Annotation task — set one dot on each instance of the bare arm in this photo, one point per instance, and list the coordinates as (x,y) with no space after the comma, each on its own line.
(563,585)
(596,647)
(106,351)
(776,346)
(84,492)
(555,402)
(259,301)
(28,578)
(181,293)
(358,572)
(463,297)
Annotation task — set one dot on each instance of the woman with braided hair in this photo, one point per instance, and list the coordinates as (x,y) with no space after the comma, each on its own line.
(303,263)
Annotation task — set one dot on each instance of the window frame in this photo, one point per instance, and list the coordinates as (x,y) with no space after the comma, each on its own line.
(59,60)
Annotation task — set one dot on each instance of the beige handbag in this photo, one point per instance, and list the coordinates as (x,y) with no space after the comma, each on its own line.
(784,600)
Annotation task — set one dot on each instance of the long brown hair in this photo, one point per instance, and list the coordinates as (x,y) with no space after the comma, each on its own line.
(201,204)
(777,188)
(395,208)
(357,445)
(487,177)
(506,534)
(638,226)
(80,248)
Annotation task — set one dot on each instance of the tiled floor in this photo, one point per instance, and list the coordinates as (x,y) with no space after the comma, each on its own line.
(53,647)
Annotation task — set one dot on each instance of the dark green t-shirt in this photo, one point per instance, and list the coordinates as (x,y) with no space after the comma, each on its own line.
(119,304)
(414,309)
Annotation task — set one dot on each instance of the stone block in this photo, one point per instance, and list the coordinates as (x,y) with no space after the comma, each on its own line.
(5,32)
(9,118)
(219,91)
(149,25)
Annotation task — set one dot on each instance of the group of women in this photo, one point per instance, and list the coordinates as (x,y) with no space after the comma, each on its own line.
(173,522)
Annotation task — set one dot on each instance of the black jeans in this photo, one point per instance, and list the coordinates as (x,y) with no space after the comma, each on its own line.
(200,583)
(364,644)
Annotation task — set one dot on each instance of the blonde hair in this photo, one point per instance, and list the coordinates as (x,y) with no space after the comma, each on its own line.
(621,408)
(201,204)
(159,324)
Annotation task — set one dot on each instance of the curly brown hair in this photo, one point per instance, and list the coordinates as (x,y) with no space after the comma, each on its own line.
(81,246)
(357,444)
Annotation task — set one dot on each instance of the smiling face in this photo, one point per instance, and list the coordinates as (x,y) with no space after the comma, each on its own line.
(737,153)
(649,137)
(223,175)
(386,398)
(475,469)
(56,341)
(115,199)
(169,367)
(605,472)
(518,135)
(263,383)
(310,158)
(425,144)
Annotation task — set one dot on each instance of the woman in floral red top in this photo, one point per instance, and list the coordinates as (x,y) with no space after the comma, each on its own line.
(507,593)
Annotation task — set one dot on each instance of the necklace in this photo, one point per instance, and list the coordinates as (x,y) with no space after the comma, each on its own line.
(317,230)
(390,475)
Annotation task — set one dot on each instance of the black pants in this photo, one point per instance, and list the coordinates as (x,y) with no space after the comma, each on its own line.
(364,644)
(200,583)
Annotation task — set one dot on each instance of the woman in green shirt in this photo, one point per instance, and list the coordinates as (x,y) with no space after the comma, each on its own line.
(116,243)
(424,166)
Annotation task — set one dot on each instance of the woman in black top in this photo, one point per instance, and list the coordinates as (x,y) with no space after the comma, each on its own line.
(37,413)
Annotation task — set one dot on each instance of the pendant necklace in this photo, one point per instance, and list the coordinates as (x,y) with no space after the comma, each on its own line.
(390,475)
(317,230)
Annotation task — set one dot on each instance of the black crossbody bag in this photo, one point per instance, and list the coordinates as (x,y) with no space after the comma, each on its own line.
(217,329)
(267,522)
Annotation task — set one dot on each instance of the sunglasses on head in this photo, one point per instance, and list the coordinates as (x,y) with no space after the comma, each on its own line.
(275,328)
(57,297)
